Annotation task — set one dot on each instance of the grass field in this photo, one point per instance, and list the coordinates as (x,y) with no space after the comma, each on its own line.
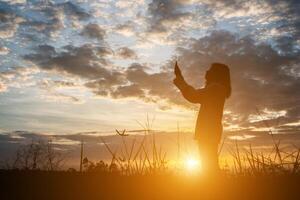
(140,172)
(74,185)
(140,169)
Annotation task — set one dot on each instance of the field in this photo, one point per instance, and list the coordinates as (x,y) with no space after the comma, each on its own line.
(75,185)
(140,170)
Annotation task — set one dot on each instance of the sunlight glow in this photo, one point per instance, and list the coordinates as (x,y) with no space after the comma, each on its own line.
(192,164)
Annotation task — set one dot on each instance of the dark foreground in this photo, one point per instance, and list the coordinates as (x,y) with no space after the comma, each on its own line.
(40,185)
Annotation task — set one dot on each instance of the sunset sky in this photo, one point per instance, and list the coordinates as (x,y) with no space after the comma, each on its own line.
(85,65)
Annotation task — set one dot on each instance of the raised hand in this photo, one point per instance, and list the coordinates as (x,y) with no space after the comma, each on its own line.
(179,78)
(177,71)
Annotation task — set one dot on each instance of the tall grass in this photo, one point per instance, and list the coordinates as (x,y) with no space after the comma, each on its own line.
(278,161)
(137,158)
(144,157)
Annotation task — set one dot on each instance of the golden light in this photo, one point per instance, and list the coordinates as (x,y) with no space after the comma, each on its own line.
(192,164)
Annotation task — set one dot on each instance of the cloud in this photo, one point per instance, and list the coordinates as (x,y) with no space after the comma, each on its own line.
(93,31)
(15,1)
(60,84)
(56,91)
(126,53)
(164,11)
(3,87)
(51,27)
(17,77)
(171,22)
(132,90)
(4,50)
(89,63)
(86,61)
(238,8)
(74,10)
(9,23)
(290,18)
(263,56)
(155,85)
(266,20)
(52,96)
(126,29)
(255,69)
(56,15)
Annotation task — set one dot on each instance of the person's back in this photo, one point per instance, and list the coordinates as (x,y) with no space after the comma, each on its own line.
(210,115)
(212,98)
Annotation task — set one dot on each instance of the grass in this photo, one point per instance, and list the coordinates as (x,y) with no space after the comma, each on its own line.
(147,158)
(141,170)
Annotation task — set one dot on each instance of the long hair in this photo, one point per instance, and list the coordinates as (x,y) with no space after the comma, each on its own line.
(219,73)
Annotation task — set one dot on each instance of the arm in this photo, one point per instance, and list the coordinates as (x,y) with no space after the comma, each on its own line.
(188,92)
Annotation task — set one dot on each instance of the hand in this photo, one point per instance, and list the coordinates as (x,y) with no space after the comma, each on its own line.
(179,78)
(177,82)
(177,71)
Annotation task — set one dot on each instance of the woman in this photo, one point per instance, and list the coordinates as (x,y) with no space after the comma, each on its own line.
(209,123)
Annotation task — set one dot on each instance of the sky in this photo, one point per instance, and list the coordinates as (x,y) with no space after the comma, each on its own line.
(81,66)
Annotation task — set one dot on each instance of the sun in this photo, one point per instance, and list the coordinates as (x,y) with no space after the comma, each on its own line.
(192,164)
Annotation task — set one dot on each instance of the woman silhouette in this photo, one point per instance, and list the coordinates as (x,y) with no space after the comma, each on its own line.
(209,123)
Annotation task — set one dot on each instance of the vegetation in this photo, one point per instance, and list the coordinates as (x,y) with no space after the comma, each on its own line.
(38,155)
(141,170)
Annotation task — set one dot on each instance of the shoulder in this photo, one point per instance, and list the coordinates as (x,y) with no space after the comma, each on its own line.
(215,88)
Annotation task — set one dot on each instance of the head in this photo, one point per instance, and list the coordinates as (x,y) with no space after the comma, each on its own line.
(219,73)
